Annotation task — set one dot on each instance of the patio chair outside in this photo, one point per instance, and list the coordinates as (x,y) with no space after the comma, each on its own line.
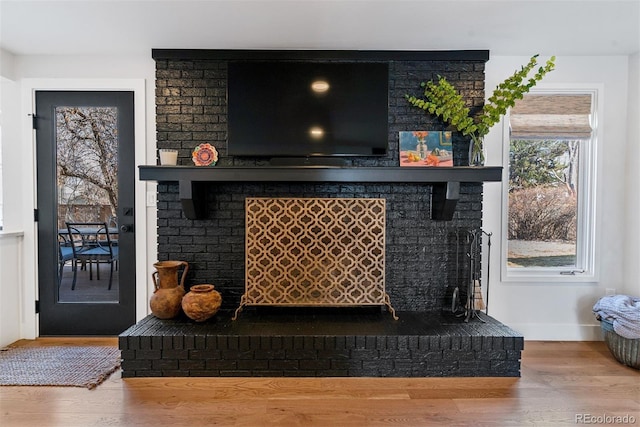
(91,242)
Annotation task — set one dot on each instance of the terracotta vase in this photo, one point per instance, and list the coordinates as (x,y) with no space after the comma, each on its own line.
(166,300)
(201,302)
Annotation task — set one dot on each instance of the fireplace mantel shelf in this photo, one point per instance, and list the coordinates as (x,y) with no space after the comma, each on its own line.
(445,180)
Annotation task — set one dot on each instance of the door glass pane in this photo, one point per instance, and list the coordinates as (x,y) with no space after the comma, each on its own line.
(87,186)
(543,203)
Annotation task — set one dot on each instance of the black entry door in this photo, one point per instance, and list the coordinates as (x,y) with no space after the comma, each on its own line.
(86,172)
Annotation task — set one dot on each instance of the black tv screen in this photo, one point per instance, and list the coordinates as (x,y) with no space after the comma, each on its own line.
(302,109)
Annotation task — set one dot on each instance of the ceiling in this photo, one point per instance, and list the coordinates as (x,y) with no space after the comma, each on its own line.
(505,27)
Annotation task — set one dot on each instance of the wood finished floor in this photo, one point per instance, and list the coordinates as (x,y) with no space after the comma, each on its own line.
(559,381)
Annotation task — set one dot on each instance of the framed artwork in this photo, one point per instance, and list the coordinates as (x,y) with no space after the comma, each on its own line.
(426,148)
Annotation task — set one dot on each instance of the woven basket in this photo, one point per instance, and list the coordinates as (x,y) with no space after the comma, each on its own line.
(625,350)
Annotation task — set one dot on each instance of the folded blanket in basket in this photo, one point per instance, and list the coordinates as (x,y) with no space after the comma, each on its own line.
(623,311)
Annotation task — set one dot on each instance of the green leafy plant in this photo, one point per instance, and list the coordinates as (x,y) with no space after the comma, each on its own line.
(443,100)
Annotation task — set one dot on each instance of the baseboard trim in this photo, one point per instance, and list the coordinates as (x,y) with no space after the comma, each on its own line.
(558,332)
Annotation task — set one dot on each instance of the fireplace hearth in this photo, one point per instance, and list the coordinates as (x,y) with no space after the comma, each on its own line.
(321,343)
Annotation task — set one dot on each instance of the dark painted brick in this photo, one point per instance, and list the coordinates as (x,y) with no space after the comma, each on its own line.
(318,343)
(353,372)
(152,374)
(272,373)
(378,365)
(205,373)
(456,343)
(309,343)
(123,342)
(164,364)
(414,343)
(442,366)
(498,343)
(396,354)
(428,355)
(298,374)
(333,373)
(505,366)
(265,343)
(514,355)
(476,342)
(235,373)
(127,354)
(189,342)
(518,344)
(148,354)
(491,355)
(236,355)
(145,343)
(509,343)
(277,343)
(458,355)
(403,342)
(298,343)
(253,365)
(222,342)
(156,342)
(283,364)
(187,365)
(204,354)
(360,354)
(333,354)
(175,354)
(308,354)
(487,343)
(315,365)
(474,366)
(136,365)
(434,343)
(217,365)
(270,354)
(465,343)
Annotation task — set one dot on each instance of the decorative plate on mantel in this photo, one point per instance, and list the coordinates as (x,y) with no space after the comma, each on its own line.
(205,155)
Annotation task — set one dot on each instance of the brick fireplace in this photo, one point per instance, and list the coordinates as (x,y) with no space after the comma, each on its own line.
(422,255)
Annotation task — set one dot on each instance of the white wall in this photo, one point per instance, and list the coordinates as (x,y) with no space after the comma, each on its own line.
(632,220)
(562,311)
(79,73)
(12,314)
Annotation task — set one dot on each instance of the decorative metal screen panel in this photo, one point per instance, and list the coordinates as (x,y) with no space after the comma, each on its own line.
(315,252)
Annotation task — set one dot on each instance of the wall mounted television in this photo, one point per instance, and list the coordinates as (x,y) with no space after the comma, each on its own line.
(307,109)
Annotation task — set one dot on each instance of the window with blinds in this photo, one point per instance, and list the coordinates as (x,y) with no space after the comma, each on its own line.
(552,116)
(550,192)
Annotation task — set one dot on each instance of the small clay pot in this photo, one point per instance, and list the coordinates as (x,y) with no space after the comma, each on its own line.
(201,302)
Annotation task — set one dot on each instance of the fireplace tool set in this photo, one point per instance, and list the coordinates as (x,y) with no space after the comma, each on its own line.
(466,300)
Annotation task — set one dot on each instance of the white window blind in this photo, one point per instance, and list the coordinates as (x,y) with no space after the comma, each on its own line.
(557,116)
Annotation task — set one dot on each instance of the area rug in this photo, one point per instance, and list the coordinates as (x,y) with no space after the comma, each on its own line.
(70,366)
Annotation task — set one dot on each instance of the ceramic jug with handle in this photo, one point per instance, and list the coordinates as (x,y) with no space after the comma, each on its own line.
(166,300)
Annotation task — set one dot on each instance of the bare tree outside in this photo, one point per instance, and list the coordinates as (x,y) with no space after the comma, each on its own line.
(87,163)
(543,180)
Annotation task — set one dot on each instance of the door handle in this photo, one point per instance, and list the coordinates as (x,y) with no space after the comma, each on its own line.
(126,228)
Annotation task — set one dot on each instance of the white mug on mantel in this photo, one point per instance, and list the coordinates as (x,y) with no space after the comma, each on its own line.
(168,156)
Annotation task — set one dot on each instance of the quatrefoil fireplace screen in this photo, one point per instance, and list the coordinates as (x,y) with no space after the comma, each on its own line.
(315,252)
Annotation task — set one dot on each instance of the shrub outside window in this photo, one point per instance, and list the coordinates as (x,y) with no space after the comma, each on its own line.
(550,196)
